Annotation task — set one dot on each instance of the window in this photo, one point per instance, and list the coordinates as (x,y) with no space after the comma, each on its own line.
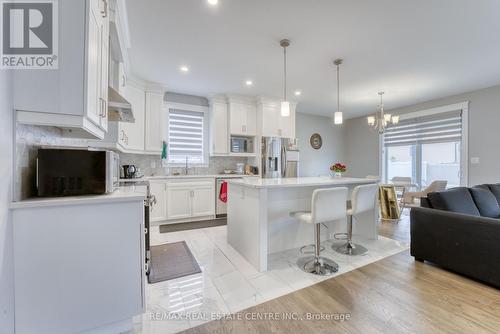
(186,136)
(427,146)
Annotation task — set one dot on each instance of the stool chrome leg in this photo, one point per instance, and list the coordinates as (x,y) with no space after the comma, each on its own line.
(317,264)
(350,248)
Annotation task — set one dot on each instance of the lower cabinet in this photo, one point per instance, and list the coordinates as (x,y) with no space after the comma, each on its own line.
(159,208)
(79,266)
(183,199)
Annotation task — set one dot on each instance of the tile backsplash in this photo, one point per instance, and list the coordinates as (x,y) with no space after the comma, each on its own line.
(29,138)
(216,165)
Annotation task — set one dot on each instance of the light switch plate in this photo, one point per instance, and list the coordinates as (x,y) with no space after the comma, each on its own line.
(153,164)
(474,160)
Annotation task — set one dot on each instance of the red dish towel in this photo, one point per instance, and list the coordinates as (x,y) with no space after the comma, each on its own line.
(223,192)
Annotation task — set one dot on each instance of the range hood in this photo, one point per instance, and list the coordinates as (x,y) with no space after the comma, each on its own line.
(119,109)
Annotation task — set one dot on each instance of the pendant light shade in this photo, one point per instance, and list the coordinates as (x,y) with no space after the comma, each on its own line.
(338,117)
(285,104)
(285,108)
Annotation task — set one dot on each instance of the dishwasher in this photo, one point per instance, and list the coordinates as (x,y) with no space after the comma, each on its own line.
(220,206)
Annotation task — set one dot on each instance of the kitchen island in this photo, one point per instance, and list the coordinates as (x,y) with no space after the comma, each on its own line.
(258,215)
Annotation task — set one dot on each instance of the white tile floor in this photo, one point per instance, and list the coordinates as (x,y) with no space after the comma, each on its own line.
(228,283)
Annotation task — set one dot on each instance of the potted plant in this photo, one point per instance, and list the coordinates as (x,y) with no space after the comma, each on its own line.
(338,169)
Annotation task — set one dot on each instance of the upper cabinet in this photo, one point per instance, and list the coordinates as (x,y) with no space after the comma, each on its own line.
(270,121)
(73,97)
(146,134)
(219,135)
(132,135)
(154,123)
(242,117)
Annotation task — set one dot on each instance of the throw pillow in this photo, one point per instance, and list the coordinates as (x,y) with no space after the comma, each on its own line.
(455,200)
(486,202)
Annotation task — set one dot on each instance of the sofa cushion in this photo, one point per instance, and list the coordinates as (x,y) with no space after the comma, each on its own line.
(486,202)
(455,199)
(495,189)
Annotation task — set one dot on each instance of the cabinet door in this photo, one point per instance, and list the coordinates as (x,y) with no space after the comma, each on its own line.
(203,200)
(159,209)
(154,122)
(270,120)
(250,119)
(219,136)
(94,104)
(237,117)
(133,133)
(243,119)
(178,201)
(104,74)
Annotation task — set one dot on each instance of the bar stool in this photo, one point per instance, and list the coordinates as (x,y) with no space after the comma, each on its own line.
(326,205)
(363,199)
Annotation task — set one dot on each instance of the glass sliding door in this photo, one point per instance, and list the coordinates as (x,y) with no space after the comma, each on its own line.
(401,161)
(440,161)
(426,148)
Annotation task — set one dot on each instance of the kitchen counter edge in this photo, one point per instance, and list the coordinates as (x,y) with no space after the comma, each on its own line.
(119,195)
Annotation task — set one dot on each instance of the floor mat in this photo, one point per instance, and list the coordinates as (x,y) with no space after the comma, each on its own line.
(171,261)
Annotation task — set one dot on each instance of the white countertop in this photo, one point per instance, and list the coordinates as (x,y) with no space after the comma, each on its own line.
(191,176)
(122,194)
(300,182)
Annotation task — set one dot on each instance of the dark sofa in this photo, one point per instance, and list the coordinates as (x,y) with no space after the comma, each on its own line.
(459,229)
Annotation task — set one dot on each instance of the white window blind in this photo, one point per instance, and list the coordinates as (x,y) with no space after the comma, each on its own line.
(436,128)
(185,136)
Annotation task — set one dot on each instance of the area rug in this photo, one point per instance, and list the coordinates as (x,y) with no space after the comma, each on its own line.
(172,260)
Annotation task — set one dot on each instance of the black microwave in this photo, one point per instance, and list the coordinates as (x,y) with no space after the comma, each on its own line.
(73,172)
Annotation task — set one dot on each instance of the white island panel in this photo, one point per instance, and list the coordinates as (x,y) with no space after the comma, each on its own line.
(259,221)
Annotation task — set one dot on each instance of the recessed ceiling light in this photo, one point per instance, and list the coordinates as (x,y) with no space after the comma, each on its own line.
(249,82)
(184,69)
(213,2)
(298,93)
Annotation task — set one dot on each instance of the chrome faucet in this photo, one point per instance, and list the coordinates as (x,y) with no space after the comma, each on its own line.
(186,168)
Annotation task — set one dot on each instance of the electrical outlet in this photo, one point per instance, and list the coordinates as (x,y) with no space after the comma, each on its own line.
(474,160)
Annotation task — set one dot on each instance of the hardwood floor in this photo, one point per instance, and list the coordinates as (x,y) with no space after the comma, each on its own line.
(394,295)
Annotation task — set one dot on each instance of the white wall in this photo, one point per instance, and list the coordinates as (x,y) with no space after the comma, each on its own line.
(6,257)
(317,162)
(484,136)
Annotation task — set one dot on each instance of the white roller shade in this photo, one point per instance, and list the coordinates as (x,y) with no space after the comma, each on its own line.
(437,128)
(185,136)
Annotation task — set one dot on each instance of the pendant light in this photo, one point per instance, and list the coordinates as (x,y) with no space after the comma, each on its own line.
(285,104)
(381,120)
(337,116)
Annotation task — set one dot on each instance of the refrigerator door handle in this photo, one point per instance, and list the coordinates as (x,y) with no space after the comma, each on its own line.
(283,161)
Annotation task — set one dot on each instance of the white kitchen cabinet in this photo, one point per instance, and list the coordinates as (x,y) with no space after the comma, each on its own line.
(79,264)
(179,201)
(154,123)
(219,135)
(131,135)
(271,123)
(243,118)
(159,208)
(203,199)
(73,97)
(190,199)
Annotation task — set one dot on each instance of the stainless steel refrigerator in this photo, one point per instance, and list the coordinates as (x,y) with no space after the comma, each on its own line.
(280,158)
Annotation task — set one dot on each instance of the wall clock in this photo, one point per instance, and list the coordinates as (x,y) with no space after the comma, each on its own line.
(316,141)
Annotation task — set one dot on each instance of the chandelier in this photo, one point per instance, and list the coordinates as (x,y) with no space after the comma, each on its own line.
(381,120)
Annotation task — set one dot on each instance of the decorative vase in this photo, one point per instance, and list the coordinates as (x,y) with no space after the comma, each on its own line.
(337,175)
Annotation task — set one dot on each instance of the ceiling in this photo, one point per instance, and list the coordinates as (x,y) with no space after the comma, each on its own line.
(415,51)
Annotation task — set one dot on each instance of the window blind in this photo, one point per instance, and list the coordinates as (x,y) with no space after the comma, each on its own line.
(437,128)
(185,136)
